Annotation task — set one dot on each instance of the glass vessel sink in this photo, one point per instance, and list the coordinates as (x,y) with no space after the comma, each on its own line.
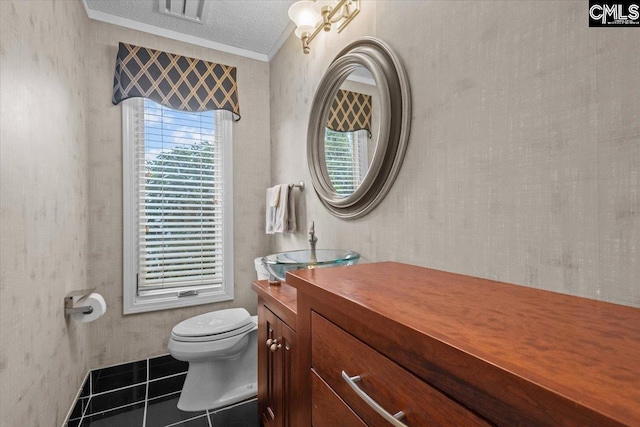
(278,264)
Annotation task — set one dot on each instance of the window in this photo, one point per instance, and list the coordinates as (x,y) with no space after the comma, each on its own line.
(178,207)
(347,159)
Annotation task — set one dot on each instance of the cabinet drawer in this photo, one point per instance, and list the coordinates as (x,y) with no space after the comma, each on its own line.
(333,351)
(328,409)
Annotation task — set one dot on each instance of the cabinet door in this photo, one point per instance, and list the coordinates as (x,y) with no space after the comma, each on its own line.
(276,368)
(269,369)
(286,352)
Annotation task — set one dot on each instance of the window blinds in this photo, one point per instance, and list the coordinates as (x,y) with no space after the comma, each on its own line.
(346,158)
(179,170)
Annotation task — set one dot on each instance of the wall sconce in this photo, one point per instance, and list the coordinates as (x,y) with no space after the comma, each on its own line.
(311,17)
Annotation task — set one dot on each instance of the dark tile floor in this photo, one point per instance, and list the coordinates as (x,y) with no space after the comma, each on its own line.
(145,394)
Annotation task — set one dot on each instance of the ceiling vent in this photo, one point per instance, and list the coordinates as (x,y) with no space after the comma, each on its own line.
(191,10)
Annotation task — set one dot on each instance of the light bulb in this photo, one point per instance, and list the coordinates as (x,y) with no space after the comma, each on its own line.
(305,14)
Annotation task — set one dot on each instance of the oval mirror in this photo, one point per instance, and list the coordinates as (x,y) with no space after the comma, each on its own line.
(358,128)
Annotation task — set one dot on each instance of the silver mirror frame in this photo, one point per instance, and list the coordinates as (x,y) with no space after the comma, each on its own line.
(393,135)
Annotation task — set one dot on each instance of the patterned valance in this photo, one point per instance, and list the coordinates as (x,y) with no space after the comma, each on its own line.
(174,81)
(350,111)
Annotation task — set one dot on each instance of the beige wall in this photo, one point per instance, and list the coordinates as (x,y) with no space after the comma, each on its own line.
(44,206)
(524,158)
(117,338)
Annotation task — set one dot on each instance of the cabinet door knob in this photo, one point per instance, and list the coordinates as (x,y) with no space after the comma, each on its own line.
(275,346)
(271,341)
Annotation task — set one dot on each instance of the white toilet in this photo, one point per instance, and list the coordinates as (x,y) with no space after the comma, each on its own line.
(222,350)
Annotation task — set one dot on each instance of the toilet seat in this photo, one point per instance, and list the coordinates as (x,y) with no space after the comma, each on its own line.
(215,337)
(214,326)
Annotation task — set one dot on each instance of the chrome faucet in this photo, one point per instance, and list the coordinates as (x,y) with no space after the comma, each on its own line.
(312,240)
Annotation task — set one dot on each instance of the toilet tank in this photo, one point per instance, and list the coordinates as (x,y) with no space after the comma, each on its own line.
(262,272)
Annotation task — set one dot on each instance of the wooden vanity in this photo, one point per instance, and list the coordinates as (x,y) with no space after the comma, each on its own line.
(277,361)
(441,349)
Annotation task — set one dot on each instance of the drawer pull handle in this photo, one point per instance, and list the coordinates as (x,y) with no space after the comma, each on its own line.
(394,420)
(275,346)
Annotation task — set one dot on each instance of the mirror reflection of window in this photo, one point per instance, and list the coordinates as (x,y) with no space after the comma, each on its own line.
(347,136)
(347,159)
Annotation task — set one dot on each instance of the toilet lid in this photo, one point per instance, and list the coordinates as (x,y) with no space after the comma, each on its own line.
(216,337)
(216,322)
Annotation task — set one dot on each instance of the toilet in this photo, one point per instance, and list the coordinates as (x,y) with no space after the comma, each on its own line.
(221,348)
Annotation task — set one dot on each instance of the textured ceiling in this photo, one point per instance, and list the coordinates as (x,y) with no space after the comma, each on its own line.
(247,24)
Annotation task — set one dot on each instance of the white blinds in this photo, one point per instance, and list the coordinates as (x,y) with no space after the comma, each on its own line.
(179,171)
(346,158)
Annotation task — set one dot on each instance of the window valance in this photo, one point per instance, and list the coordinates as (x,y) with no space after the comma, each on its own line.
(350,111)
(175,81)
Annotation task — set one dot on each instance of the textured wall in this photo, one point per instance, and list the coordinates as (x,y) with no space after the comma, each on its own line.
(44,206)
(117,338)
(524,158)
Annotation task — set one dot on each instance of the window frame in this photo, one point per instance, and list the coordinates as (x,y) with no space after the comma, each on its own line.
(358,140)
(132,302)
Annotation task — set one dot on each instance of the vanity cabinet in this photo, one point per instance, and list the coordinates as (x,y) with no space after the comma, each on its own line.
(277,361)
(387,344)
(440,349)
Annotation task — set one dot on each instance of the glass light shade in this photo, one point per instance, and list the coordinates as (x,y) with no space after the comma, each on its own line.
(323,3)
(306,15)
(304,29)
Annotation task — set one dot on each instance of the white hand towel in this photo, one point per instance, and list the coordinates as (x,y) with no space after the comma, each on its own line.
(281,214)
(271,210)
(275,196)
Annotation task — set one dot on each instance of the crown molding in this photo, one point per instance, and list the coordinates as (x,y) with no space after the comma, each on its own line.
(198,41)
(281,40)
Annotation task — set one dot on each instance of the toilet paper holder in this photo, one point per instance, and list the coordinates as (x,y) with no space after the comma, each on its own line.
(69,301)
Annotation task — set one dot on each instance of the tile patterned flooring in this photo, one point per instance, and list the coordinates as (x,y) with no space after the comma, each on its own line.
(145,394)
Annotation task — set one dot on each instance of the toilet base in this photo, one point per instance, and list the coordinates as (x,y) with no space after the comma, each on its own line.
(212,386)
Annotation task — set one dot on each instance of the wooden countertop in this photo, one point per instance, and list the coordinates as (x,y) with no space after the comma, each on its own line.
(546,345)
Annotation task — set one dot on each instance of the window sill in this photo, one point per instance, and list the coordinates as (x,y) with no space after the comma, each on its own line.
(144,305)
